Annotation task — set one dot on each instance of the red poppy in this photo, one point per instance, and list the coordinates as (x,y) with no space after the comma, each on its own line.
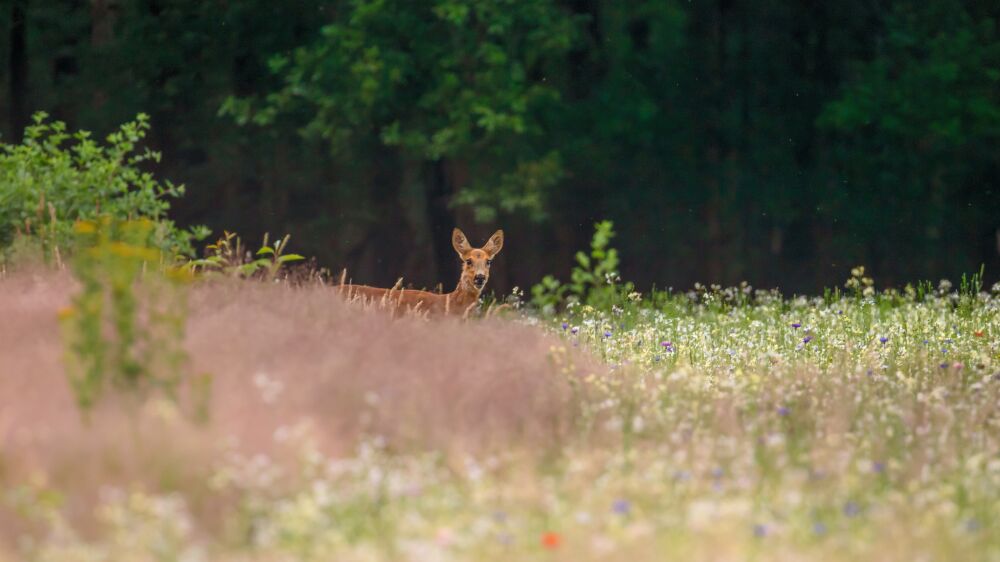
(978,333)
(551,540)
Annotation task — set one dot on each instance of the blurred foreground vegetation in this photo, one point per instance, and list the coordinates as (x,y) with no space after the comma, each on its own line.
(719,423)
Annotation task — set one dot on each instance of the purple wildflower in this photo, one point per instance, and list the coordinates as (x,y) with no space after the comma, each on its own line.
(852,509)
(883,339)
(621,507)
(565,326)
(575,330)
(796,325)
(807,339)
(607,333)
(759,530)
(783,411)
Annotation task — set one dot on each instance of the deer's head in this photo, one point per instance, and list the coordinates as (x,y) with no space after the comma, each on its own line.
(476,262)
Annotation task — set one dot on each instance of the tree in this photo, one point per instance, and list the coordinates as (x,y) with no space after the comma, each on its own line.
(918,131)
(448,91)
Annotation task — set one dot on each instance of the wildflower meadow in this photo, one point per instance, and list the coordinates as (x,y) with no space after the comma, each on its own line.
(499,280)
(714,424)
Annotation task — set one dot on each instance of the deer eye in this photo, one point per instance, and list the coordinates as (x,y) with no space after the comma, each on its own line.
(489,262)
(468,262)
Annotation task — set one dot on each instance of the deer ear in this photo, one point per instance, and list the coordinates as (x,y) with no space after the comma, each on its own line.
(494,244)
(460,242)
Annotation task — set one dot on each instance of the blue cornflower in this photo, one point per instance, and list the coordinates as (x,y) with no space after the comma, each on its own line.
(883,339)
(796,325)
(783,411)
(565,326)
(607,333)
(759,530)
(944,365)
(621,507)
(852,509)
(819,528)
(807,339)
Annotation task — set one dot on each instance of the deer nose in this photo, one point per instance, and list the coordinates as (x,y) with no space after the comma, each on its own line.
(480,279)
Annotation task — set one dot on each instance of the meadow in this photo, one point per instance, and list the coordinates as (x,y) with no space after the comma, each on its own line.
(714,424)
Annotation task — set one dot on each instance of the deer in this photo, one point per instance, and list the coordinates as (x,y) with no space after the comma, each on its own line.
(476,264)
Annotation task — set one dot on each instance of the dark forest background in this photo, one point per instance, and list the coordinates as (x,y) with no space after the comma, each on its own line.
(771,141)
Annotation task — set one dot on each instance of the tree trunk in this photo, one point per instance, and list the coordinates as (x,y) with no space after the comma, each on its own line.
(103,14)
(440,218)
(390,238)
(18,65)
(102,21)
(717,149)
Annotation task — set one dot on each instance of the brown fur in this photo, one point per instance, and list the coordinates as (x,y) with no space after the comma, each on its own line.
(475,264)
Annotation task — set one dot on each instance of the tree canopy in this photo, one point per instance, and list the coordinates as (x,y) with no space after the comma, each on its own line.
(776,142)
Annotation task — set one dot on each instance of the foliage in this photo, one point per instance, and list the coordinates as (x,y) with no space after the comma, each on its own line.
(919,124)
(435,80)
(125,329)
(227,256)
(593,281)
(717,154)
(54,178)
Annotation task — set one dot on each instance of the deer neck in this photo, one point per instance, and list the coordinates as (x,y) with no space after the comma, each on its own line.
(464,294)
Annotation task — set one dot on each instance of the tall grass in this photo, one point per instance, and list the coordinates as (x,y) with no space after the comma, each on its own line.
(720,424)
(292,368)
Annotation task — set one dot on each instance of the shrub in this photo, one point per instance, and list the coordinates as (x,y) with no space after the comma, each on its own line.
(594,279)
(54,178)
(126,326)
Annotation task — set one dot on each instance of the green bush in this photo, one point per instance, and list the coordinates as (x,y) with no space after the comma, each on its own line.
(125,328)
(54,178)
(594,279)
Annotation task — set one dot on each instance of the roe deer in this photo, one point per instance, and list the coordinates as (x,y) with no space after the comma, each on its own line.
(476,264)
